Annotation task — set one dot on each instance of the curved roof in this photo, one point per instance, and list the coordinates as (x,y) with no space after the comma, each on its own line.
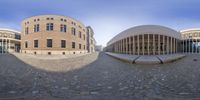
(10,30)
(190,29)
(146,29)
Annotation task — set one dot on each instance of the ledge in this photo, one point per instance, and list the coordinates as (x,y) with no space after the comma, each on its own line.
(145,59)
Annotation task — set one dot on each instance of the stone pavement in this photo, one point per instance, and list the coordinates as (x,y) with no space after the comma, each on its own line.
(147,59)
(97,77)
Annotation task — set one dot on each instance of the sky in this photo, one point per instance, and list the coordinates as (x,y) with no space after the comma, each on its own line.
(107,17)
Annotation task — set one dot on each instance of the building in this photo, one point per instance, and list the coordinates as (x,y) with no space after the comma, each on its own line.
(9,40)
(53,34)
(91,42)
(145,40)
(190,40)
(99,48)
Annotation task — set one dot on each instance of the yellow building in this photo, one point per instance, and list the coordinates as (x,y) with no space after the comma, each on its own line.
(53,34)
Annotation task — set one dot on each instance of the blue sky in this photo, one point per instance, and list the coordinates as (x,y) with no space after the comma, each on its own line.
(106,17)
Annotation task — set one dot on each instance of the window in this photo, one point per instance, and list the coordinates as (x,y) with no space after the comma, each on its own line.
(63,28)
(84,47)
(49,27)
(26,30)
(35,43)
(61,19)
(73,45)
(80,34)
(48,18)
(73,31)
(65,20)
(63,43)
(38,19)
(49,43)
(34,20)
(83,36)
(36,28)
(79,46)
(52,18)
(26,44)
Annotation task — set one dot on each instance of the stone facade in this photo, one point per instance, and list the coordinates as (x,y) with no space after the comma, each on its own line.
(91,42)
(53,34)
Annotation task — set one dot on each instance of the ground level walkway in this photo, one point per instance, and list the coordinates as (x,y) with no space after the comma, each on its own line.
(147,59)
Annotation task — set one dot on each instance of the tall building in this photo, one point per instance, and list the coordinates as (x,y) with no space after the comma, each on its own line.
(53,34)
(145,40)
(9,40)
(91,42)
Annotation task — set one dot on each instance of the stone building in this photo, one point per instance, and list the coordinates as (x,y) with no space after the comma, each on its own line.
(190,40)
(145,40)
(53,34)
(91,42)
(9,40)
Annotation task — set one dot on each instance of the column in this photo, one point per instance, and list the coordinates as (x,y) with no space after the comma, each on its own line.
(163,44)
(183,46)
(159,44)
(9,45)
(148,44)
(2,45)
(171,45)
(186,46)
(196,45)
(130,45)
(133,45)
(153,44)
(143,44)
(189,45)
(174,45)
(138,44)
(192,46)
(167,44)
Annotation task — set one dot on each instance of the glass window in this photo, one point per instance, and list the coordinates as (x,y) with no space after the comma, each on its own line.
(73,31)
(35,43)
(79,46)
(83,36)
(80,34)
(63,43)
(49,43)
(49,27)
(26,30)
(63,28)
(73,45)
(36,28)
(26,44)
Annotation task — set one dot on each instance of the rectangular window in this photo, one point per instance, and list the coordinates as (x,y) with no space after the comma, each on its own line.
(73,31)
(80,34)
(63,28)
(49,43)
(63,43)
(26,30)
(26,44)
(73,45)
(49,27)
(79,46)
(35,43)
(84,47)
(36,28)
(83,36)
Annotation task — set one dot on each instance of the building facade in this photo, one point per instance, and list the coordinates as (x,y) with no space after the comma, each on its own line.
(145,40)
(53,34)
(190,40)
(9,40)
(91,42)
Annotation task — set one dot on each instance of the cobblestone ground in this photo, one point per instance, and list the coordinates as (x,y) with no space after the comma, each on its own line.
(97,77)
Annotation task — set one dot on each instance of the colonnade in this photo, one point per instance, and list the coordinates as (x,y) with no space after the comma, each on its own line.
(191,45)
(5,45)
(145,44)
